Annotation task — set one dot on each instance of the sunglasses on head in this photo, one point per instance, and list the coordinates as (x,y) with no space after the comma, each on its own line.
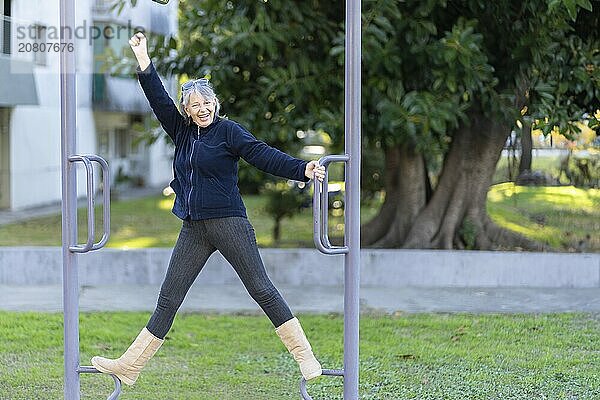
(190,84)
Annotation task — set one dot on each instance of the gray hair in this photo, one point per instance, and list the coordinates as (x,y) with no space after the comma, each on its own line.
(201,89)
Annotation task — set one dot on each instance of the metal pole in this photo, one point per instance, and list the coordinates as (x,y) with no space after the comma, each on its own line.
(352,122)
(69,205)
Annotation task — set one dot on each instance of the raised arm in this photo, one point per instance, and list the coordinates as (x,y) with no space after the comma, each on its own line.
(162,105)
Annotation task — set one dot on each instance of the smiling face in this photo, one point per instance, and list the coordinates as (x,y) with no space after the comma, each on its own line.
(201,110)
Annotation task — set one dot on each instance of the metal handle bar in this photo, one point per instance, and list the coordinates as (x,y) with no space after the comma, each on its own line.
(91,370)
(321,209)
(330,372)
(105,201)
(87,162)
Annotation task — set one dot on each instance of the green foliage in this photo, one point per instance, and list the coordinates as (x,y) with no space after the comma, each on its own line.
(583,170)
(284,199)
(267,60)
(278,65)
(468,234)
(118,5)
(571,6)
(404,99)
(566,89)
(429,64)
(268,64)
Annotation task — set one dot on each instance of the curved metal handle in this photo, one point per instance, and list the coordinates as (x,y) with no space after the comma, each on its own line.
(330,372)
(105,201)
(87,162)
(321,209)
(90,211)
(91,370)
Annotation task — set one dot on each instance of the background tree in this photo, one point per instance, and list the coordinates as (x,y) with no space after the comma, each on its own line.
(268,62)
(472,69)
(526,148)
(567,86)
(444,84)
(283,201)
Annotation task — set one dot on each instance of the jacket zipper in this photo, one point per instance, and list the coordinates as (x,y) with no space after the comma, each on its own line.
(192,174)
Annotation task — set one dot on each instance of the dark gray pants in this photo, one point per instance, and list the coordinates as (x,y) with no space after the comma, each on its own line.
(234,237)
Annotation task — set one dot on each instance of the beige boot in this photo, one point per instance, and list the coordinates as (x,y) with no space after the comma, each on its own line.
(292,336)
(128,367)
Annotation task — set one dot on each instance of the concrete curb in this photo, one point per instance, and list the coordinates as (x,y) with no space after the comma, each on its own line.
(207,298)
(302,267)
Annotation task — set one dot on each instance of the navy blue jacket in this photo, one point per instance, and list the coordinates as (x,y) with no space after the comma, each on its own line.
(206,159)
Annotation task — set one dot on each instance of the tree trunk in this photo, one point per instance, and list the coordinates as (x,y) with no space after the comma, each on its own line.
(277,229)
(405,187)
(455,216)
(526,148)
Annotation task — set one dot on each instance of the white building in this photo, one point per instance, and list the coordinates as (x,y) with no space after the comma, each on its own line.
(108,106)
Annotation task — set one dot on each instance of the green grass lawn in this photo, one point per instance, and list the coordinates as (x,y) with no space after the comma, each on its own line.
(435,356)
(148,222)
(563,217)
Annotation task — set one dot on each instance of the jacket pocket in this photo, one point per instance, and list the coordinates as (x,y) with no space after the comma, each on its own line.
(214,194)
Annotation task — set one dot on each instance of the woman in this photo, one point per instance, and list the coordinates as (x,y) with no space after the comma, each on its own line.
(207,150)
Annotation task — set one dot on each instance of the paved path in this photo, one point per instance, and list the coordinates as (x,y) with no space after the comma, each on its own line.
(319,299)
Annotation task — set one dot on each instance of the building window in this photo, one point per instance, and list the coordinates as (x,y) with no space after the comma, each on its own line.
(103,5)
(122,142)
(103,143)
(118,143)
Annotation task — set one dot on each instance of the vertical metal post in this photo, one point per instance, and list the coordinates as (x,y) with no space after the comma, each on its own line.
(68,108)
(351,248)
(352,122)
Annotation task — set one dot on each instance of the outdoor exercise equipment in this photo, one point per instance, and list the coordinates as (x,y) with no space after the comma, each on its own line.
(70,248)
(351,247)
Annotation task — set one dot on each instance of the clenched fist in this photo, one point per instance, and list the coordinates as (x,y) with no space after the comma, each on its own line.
(139,45)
